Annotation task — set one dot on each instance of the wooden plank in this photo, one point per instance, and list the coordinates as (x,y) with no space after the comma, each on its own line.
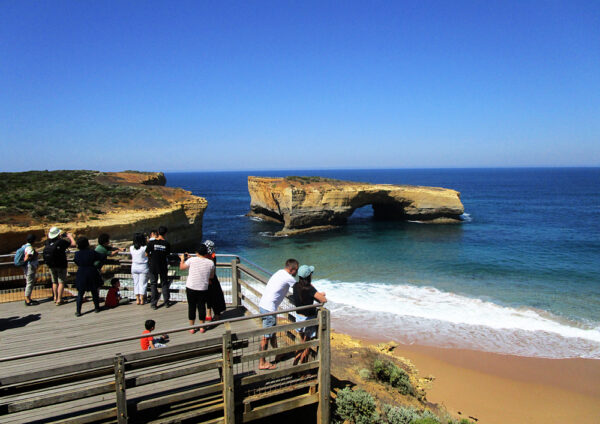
(280,391)
(228,383)
(250,288)
(278,351)
(235,287)
(72,373)
(178,397)
(281,406)
(267,375)
(91,417)
(65,396)
(167,375)
(157,360)
(122,416)
(323,413)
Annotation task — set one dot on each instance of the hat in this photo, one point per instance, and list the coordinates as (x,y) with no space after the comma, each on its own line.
(210,245)
(54,232)
(305,270)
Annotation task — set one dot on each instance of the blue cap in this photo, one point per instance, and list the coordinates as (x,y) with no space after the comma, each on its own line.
(305,270)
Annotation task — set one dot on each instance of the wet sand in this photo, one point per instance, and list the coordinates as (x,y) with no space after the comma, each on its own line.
(505,389)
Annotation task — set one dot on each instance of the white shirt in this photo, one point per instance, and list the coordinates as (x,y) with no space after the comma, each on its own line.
(138,256)
(277,287)
(200,271)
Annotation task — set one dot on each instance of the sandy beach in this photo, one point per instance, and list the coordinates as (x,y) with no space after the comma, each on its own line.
(504,389)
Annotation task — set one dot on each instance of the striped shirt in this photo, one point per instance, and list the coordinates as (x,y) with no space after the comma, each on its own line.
(200,272)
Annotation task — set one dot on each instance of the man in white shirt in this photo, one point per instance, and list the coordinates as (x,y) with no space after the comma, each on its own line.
(277,288)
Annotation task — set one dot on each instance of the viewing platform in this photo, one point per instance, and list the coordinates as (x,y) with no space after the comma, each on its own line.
(56,367)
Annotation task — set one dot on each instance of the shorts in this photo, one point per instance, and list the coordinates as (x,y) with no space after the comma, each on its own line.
(59,275)
(268,321)
(309,332)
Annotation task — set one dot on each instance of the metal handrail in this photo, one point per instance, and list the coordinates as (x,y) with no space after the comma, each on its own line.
(158,334)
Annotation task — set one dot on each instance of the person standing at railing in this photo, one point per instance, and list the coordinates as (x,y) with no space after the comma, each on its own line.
(139,268)
(277,288)
(29,263)
(201,270)
(88,276)
(55,258)
(306,294)
(158,251)
(216,299)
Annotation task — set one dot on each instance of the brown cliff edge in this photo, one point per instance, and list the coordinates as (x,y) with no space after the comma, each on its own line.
(313,203)
(118,203)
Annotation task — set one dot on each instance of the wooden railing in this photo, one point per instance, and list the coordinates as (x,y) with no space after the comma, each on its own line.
(213,380)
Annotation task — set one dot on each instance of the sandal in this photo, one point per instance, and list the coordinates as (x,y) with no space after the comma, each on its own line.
(193,331)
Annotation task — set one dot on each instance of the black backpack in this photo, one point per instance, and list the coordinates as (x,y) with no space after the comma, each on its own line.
(50,252)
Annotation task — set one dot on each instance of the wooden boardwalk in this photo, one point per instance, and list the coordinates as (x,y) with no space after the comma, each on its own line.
(202,377)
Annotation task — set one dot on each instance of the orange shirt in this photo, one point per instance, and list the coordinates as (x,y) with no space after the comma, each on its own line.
(145,342)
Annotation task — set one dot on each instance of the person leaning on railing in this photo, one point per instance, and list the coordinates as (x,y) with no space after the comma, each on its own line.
(306,294)
(277,288)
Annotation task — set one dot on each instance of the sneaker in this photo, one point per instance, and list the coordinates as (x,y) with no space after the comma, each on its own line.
(154,307)
(169,304)
(34,302)
(97,310)
(77,314)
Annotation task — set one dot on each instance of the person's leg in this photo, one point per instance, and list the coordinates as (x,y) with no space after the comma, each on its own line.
(191,300)
(29,282)
(62,279)
(79,301)
(165,284)
(143,286)
(136,286)
(267,322)
(153,289)
(201,308)
(54,278)
(96,297)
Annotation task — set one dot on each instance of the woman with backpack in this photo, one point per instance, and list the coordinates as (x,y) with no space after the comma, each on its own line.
(27,258)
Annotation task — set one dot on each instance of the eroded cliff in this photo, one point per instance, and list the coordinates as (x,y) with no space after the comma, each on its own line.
(130,202)
(311,203)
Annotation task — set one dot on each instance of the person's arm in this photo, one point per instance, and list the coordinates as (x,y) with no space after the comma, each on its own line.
(28,255)
(71,239)
(151,342)
(182,264)
(212,271)
(320,297)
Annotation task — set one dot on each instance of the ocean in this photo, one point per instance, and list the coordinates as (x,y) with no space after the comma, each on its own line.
(520,276)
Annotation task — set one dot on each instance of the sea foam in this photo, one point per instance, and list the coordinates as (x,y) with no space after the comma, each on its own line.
(426,315)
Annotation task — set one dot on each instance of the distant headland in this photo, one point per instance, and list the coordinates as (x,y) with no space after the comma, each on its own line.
(305,204)
(94,202)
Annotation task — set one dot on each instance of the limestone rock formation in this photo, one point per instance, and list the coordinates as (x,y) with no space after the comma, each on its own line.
(313,203)
(148,208)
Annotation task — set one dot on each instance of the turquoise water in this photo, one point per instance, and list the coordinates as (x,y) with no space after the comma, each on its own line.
(521,275)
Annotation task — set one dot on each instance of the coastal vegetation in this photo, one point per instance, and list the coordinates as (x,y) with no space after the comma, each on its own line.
(62,196)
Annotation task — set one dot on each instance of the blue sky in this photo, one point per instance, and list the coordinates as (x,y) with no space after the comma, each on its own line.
(169,86)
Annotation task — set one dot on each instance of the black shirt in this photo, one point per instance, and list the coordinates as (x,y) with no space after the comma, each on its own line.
(158,251)
(303,297)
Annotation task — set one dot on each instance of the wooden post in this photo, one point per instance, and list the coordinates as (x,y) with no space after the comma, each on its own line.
(324,367)
(235,285)
(228,381)
(120,389)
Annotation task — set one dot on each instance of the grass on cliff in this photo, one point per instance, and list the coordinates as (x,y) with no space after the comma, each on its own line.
(57,196)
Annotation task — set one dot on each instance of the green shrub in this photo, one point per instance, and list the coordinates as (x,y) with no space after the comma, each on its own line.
(365,374)
(400,414)
(390,373)
(356,406)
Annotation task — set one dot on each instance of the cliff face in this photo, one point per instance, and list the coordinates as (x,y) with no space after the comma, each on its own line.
(308,203)
(150,206)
